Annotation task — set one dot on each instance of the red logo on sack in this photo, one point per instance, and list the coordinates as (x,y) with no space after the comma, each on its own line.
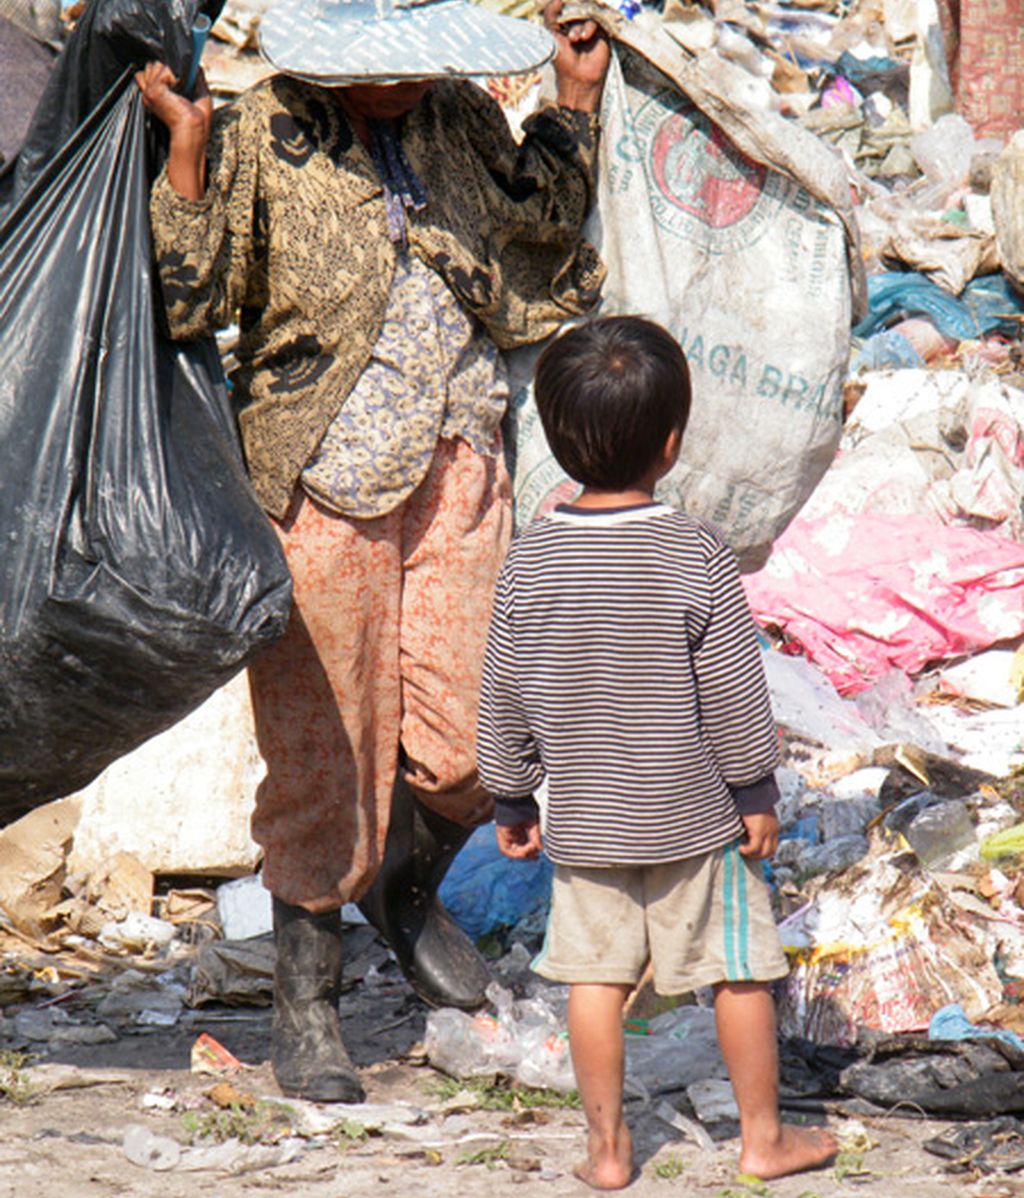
(697,169)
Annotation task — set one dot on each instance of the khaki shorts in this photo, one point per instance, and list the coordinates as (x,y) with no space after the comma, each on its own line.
(702,920)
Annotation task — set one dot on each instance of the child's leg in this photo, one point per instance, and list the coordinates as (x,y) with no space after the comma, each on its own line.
(745,1016)
(596,1042)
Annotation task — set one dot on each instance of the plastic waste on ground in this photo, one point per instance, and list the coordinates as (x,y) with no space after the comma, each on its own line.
(524,1039)
(233,972)
(993,1146)
(950,1079)
(137,932)
(856,593)
(1008,207)
(942,835)
(245,908)
(944,150)
(149,1150)
(679,1048)
(995,676)
(888,350)
(832,856)
(988,740)
(713,1100)
(986,305)
(139,571)
(951,1023)
(805,702)
(889,707)
(1004,845)
(847,817)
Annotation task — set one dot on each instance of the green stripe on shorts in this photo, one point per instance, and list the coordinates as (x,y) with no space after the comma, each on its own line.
(735,916)
(741,899)
(728,915)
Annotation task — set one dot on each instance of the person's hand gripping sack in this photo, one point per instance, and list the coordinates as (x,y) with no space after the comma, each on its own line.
(581,59)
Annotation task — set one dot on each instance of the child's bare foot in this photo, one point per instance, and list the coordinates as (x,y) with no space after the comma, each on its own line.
(796,1149)
(609,1166)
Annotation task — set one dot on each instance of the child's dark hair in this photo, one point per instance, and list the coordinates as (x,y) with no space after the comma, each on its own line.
(609,393)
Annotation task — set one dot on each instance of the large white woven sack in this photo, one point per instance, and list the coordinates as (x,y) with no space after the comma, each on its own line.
(732,228)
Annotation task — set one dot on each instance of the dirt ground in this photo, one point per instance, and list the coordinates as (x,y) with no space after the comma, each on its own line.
(71,1143)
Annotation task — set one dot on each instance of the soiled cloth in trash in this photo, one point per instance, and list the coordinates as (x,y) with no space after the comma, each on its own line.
(383,653)
(26,67)
(985,49)
(293,231)
(434,372)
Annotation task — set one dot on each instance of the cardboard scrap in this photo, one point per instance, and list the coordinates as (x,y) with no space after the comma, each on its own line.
(33,857)
(120,885)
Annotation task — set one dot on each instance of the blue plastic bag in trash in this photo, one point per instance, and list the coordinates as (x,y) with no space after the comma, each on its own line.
(988,304)
(484,891)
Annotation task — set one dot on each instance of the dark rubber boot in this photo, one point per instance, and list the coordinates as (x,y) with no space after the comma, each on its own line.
(309,1057)
(435,954)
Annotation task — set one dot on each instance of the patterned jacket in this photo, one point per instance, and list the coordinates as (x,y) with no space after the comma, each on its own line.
(291,240)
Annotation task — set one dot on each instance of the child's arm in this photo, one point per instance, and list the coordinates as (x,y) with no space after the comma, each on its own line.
(507,756)
(735,707)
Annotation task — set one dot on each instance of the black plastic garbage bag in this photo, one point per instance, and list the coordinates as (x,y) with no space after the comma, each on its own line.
(137,571)
(969,1079)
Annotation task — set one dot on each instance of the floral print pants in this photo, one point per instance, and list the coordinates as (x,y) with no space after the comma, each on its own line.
(379,670)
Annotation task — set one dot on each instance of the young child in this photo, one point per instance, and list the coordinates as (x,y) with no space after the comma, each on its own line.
(622,664)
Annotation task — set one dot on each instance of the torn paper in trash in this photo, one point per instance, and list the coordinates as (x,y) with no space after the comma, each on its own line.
(734,229)
(881,947)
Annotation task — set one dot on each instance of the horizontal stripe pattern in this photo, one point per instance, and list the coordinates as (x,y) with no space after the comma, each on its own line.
(622,663)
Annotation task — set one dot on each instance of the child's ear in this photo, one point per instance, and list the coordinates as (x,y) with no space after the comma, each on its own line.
(673,443)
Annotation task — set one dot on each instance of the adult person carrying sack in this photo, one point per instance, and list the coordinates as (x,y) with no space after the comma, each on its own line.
(369,220)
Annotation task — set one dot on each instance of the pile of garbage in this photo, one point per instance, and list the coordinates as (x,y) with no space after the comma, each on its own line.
(874,489)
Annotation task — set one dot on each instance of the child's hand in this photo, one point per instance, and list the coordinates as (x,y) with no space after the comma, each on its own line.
(521,842)
(762,835)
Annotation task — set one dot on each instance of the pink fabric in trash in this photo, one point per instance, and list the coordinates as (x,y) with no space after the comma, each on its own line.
(866,592)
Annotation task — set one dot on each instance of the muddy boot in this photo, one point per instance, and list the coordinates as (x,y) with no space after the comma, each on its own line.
(309,1058)
(435,954)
